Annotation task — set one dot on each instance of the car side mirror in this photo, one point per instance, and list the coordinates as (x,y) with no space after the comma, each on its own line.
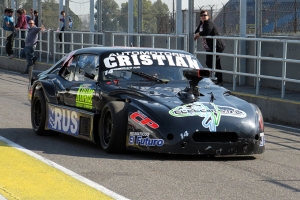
(71,67)
(196,75)
(90,76)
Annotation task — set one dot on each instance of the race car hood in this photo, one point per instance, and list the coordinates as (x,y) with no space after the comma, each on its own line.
(215,109)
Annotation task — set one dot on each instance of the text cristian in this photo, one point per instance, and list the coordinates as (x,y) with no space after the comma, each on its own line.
(148,58)
(139,140)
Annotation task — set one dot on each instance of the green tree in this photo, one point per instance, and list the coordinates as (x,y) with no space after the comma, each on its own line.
(49,16)
(123,18)
(150,15)
(110,13)
(161,11)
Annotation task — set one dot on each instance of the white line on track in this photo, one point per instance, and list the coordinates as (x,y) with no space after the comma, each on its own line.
(13,72)
(282,126)
(65,170)
(2,197)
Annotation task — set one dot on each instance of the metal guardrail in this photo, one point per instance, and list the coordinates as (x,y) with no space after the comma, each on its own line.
(18,40)
(258,76)
(152,36)
(73,43)
(50,47)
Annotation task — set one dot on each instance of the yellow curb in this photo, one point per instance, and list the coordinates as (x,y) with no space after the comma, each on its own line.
(25,177)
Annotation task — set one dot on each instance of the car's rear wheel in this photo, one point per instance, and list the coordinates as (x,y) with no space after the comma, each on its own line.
(113,127)
(38,113)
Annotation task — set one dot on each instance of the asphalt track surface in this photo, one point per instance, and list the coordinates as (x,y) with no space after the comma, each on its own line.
(272,175)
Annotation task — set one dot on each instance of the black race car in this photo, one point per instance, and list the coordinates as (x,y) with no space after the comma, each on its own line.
(144,99)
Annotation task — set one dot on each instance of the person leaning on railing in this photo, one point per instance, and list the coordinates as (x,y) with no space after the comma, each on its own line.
(208,28)
(21,24)
(30,44)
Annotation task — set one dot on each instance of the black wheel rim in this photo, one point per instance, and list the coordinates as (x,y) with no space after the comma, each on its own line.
(107,128)
(37,113)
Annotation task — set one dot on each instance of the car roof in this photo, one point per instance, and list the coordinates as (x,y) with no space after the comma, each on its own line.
(100,50)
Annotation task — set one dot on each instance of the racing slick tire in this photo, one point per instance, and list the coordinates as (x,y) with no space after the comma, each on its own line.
(38,114)
(113,127)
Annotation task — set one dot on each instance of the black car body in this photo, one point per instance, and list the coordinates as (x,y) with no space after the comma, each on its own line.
(144,99)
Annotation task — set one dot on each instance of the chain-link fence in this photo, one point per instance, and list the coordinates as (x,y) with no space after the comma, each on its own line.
(279,17)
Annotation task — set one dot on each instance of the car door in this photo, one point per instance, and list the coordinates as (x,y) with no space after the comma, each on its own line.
(81,92)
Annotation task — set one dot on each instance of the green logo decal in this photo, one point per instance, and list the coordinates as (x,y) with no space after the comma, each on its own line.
(209,111)
(84,97)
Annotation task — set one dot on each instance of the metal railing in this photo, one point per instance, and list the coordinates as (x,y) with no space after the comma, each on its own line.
(48,46)
(76,40)
(18,40)
(126,39)
(73,44)
(258,57)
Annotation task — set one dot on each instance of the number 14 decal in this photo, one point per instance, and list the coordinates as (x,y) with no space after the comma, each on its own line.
(183,135)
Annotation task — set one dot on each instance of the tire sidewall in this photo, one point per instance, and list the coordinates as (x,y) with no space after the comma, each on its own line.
(39,96)
(119,117)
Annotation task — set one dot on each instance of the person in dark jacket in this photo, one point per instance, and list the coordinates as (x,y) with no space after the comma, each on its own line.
(208,28)
(35,16)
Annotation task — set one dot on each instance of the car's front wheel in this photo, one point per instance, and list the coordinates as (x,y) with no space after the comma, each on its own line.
(38,113)
(113,127)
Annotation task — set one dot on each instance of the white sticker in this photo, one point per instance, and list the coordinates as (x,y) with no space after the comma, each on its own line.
(262,140)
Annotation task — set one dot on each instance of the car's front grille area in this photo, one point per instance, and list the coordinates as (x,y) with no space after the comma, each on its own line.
(223,137)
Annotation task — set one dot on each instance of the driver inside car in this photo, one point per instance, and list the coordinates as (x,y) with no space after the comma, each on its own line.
(151,71)
(159,72)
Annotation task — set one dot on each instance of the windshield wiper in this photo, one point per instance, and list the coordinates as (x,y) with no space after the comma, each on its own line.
(142,74)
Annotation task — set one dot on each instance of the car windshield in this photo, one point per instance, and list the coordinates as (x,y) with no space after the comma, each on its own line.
(152,73)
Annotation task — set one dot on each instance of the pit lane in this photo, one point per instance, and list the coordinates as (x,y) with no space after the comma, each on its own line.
(272,175)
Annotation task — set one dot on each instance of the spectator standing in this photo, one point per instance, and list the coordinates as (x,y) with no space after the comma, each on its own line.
(28,18)
(3,17)
(63,14)
(9,32)
(21,24)
(30,44)
(35,16)
(208,28)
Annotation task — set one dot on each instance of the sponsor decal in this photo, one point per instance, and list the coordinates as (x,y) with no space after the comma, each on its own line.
(84,97)
(262,140)
(145,141)
(63,120)
(138,58)
(111,71)
(143,138)
(142,119)
(209,111)
(145,134)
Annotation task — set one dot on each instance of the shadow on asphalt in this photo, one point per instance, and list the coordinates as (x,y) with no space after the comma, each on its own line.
(71,146)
